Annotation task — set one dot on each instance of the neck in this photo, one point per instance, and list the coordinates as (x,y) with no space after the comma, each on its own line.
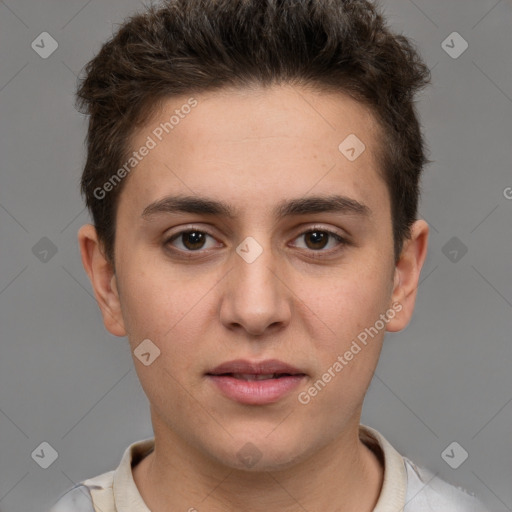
(344,475)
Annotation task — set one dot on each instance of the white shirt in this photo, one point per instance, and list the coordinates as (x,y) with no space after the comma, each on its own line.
(405,488)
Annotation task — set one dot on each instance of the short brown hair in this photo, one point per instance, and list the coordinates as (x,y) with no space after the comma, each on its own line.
(189,46)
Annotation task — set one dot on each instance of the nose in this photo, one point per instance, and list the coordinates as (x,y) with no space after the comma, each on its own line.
(255,297)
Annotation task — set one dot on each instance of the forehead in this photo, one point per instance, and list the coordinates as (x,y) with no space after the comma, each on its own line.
(257,144)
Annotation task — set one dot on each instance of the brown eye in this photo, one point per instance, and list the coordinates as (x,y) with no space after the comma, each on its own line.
(190,240)
(317,239)
(193,239)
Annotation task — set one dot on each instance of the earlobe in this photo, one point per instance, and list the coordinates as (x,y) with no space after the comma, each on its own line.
(407,273)
(103,279)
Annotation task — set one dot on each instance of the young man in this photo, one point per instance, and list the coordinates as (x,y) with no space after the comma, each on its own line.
(252,173)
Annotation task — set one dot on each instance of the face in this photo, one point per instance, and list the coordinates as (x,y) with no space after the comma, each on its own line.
(286,254)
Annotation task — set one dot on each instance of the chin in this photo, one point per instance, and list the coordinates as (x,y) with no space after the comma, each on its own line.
(257,454)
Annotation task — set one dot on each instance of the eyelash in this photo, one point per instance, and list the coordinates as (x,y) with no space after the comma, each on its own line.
(320,253)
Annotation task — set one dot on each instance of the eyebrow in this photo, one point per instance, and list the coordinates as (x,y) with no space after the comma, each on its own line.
(287,208)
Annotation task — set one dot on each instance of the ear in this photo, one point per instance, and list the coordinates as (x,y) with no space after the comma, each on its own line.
(103,279)
(407,273)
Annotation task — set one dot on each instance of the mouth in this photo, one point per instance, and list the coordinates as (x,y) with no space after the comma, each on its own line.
(255,376)
(255,383)
(267,369)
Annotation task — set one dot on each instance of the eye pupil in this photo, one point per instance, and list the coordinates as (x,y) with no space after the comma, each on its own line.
(318,237)
(196,239)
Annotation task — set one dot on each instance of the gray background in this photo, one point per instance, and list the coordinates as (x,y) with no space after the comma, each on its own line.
(66,381)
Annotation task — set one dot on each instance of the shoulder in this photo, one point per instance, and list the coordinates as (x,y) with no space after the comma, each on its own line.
(411,488)
(104,493)
(80,497)
(426,492)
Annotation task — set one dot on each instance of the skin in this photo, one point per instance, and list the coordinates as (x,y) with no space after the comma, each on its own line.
(253,148)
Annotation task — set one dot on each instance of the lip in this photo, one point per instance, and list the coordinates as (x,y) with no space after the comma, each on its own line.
(255,392)
(255,367)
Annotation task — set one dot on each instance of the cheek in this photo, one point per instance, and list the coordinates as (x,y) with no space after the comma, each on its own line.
(348,353)
(356,314)
(350,299)
(147,307)
(165,305)
(166,312)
